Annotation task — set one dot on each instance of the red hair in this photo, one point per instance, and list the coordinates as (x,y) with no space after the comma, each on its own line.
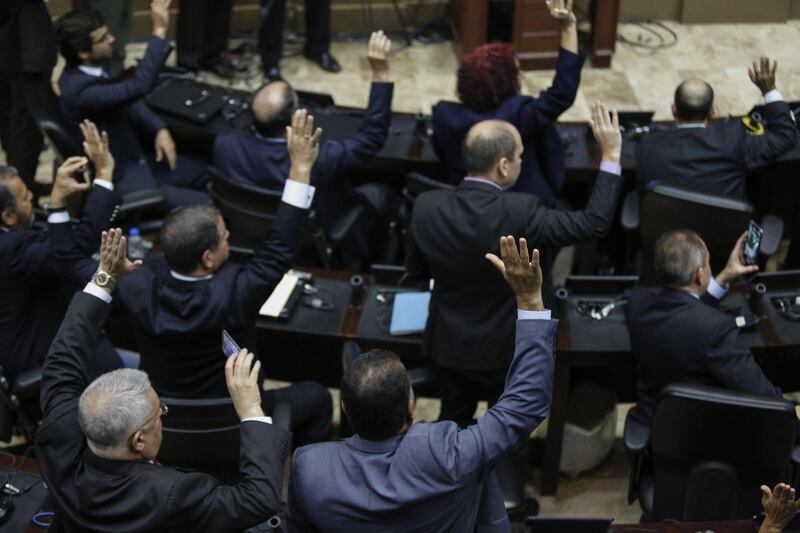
(488,76)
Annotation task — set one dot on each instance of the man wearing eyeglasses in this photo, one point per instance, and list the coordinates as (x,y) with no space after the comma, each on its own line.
(98,443)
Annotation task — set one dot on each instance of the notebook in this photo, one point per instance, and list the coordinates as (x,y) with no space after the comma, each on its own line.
(409,313)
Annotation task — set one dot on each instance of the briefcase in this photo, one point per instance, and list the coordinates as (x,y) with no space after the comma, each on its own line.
(187,99)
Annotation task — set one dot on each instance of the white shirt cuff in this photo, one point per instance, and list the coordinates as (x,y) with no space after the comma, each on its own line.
(298,194)
(104,183)
(265,419)
(533,315)
(94,290)
(773,96)
(58,218)
(716,290)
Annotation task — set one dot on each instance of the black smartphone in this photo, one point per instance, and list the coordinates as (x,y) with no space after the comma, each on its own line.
(229,346)
(752,243)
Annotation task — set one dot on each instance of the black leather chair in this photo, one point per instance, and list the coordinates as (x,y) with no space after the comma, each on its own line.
(203,435)
(719,221)
(19,404)
(706,453)
(249,212)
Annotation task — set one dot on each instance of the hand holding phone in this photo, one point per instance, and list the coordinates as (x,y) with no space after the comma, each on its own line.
(229,346)
(752,243)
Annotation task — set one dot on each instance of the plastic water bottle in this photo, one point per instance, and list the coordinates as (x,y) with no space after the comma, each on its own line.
(137,247)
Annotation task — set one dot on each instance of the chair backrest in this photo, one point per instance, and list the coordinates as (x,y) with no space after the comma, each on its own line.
(417,184)
(712,449)
(719,221)
(201,435)
(45,111)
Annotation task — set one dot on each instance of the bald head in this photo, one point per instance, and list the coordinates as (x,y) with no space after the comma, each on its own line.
(693,101)
(491,144)
(273,105)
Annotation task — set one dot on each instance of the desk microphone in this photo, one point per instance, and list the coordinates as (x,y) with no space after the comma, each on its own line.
(356,291)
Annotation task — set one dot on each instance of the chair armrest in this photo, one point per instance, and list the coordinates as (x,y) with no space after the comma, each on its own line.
(342,226)
(636,435)
(28,383)
(133,202)
(629,215)
(773,233)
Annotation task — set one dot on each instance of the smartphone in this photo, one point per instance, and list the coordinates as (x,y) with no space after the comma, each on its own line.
(752,243)
(229,346)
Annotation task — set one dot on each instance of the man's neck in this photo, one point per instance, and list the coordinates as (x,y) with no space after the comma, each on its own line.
(694,290)
(696,123)
(114,456)
(486,178)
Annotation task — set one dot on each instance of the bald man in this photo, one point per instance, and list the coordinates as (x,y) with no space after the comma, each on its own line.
(711,156)
(259,157)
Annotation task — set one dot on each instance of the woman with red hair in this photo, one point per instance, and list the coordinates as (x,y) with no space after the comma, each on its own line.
(488,87)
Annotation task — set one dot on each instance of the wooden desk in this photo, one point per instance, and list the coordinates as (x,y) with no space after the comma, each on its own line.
(734,526)
(535,34)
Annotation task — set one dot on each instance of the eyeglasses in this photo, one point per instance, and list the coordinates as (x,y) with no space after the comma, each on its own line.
(162,411)
(103,38)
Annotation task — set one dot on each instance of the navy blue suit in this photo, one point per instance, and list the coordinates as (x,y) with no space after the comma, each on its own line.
(35,288)
(434,477)
(118,107)
(255,160)
(679,338)
(542,170)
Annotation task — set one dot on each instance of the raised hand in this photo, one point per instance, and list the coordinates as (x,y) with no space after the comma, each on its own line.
(561,10)
(241,375)
(762,74)
(65,183)
(165,148)
(159,13)
(521,271)
(780,507)
(606,131)
(736,267)
(95,145)
(303,143)
(378,55)
(113,254)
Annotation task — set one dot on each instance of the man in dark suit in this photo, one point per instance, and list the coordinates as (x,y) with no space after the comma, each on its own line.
(468,334)
(318,36)
(181,300)
(34,288)
(98,443)
(118,107)
(396,475)
(489,88)
(715,157)
(678,334)
(27,55)
(260,158)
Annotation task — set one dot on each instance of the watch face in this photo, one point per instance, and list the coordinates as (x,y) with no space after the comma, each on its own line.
(102,278)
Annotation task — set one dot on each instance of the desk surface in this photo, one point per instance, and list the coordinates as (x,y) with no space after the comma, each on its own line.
(736,526)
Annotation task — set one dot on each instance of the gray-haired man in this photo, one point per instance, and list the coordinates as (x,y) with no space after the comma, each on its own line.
(97,444)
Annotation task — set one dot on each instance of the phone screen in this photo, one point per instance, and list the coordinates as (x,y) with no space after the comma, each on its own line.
(752,243)
(229,346)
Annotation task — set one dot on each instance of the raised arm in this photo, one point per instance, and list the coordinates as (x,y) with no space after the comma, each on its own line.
(526,399)
(554,227)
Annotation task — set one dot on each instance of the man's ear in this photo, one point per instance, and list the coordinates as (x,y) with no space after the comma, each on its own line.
(9,218)
(84,56)
(206,261)
(344,409)
(412,404)
(136,442)
(504,165)
(674,111)
(697,279)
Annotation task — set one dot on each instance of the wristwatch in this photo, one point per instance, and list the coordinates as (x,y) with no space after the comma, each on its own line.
(104,280)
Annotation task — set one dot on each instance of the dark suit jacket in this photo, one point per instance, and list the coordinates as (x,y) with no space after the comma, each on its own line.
(116,106)
(472,308)
(255,160)
(679,338)
(96,494)
(542,171)
(717,158)
(27,43)
(434,477)
(35,287)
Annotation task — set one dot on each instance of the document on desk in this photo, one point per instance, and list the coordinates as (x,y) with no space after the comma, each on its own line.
(279,297)
(409,313)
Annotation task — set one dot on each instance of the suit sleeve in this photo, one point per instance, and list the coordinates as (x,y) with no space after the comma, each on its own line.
(780,136)
(208,505)
(99,97)
(732,364)
(560,228)
(296,516)
(369,139)
(141,114)
(416,268)
(66,367)
(522,406)
(552,102)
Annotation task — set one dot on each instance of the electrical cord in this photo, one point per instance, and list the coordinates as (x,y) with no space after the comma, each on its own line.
(37,518)
(662,34)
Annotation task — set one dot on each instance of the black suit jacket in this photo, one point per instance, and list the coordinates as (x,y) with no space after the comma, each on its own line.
(717,158)
(35,287)
(472,309)
(27,43)
(117,107)
(679,338)
(96,494)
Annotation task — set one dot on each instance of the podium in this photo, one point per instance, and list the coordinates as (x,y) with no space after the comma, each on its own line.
(535,34)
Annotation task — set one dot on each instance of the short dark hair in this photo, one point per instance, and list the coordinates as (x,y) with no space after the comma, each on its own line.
(375,391)
(678,255)
(693,105)
(73,33)
(483,151)
(7,202)
(186,233)
(275,125)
